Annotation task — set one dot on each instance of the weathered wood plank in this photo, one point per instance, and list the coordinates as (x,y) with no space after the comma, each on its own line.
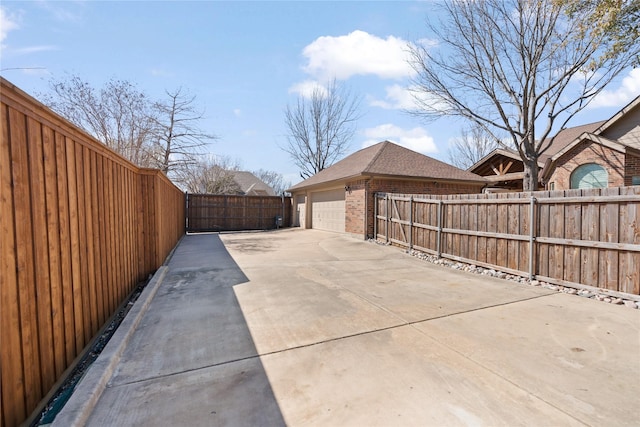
(572,230)
(482,226)
(514,215)
(629,225)
(502,220)
(608,260)
(543,213)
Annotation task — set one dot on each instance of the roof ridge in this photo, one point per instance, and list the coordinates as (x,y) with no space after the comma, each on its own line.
(384,144)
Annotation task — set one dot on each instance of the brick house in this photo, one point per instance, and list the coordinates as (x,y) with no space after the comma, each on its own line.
(594,155)
(341,197)
(608,156)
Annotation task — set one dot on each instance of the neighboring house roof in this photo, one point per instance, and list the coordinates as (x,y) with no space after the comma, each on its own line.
(500,165)
(593,132)
(251,185)
(567,136)
(564,140)
(387,159)
(619,115)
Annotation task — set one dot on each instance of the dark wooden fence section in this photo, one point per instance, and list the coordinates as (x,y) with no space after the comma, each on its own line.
(575,238)
(79,228)
(214,212)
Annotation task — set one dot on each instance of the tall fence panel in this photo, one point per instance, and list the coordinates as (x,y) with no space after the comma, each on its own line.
(216,212)
(80,227)
(575,238)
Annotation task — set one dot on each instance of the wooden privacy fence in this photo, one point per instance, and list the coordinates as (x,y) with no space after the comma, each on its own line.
(79,228)
(215,212)
(575,238)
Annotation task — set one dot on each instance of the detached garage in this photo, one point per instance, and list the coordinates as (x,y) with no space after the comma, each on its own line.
(340,198)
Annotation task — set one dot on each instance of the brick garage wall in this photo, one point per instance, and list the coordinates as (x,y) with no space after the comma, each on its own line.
(588,152)
(631,166)
(361,198)
(355,206)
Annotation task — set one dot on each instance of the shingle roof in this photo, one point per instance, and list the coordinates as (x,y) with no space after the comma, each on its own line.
(568,135)
(251,185)
(388,159)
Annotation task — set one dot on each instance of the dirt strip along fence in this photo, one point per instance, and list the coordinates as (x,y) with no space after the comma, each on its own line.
(80,228)
(575,238)
(213,212)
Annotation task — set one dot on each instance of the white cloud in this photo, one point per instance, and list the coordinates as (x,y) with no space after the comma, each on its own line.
(627,91)
(8,22)
(397,98)
(416,139)
(160,72)
(307,87)
(357,53)
(66,12)
(33,49)
(237,112)
(407,98)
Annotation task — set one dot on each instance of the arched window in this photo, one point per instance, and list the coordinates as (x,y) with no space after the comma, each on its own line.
(590,175)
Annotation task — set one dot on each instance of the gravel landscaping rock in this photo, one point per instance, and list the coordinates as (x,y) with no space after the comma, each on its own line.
(472,268)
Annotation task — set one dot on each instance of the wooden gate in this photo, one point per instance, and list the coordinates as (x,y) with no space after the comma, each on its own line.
(216,212)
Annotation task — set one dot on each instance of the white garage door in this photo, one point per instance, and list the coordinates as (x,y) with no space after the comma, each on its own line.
(327,210)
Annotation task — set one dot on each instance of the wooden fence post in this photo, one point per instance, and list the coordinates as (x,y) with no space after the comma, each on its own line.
(532,236)
(386,216)
(186,210)
(439,242)
(375,216)
(410,223)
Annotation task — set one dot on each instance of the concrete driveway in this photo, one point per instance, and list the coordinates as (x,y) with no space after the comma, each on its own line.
(301,327)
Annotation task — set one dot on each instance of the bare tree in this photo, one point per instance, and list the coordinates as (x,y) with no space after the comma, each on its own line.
(177,135)
(210,175)
(514,66)
(273,179)
(471,146)
(119,115)
(155,134)
(321,127)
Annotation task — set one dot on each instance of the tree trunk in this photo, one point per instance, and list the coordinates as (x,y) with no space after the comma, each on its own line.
(530,178)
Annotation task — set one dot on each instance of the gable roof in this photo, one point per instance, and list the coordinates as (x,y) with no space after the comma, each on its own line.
(251,185)
(566,136)
(620,114)
(595,135)
(389,160)
(483,167)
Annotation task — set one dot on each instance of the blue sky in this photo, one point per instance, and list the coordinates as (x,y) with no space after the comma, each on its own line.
(245,61)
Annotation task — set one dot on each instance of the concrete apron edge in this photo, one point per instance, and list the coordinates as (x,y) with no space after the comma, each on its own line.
(77,410)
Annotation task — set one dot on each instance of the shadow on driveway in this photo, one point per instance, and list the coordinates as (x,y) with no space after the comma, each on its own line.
(192,360)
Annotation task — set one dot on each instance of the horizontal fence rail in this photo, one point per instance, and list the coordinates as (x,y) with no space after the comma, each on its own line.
(80,228)
(217,212)
(575,238)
